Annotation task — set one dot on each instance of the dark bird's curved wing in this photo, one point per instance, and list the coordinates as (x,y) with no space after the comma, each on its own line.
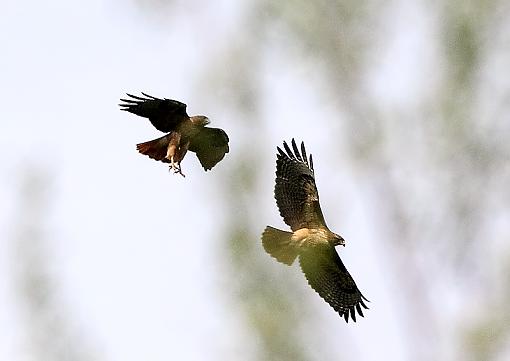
(210,145)
(328,276)
(164,114)
(295,190)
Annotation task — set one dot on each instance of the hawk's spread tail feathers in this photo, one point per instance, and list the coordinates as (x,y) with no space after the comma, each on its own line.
(278,244)
(155,149)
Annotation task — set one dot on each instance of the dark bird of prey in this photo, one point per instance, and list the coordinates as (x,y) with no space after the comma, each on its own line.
(184,132)
(298,201)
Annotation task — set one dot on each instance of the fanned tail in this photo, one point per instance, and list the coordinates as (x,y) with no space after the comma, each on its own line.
(155,149)
(278,244)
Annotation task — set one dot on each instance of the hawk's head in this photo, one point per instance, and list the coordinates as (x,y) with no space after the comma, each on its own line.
(200,120)
(337,240)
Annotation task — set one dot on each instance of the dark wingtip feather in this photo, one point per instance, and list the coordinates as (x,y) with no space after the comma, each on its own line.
(360,311)
(295,153)
(135,96)
(363,304)
(130,101)
(296,150)
(353,314)
(346,316)
(149,96)
(280,152)
(287,149)
(303,153)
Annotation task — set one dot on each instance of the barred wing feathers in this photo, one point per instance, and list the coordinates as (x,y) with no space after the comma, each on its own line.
(295,190)
(328,276)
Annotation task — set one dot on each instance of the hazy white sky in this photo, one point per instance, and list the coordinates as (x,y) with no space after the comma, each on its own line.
(133,281)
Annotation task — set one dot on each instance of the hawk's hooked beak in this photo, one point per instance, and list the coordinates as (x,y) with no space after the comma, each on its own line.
(340,240)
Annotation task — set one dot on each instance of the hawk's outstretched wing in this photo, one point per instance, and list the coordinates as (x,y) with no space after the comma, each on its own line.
(210,145)
(328,276)
(164,114)
(295,191)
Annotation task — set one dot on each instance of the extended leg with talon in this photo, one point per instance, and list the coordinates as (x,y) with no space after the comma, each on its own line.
(175,166)
(180,152)
(173,154)
(178,169)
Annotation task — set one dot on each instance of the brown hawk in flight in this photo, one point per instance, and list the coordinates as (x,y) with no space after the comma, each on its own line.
(298,201)
(184,132)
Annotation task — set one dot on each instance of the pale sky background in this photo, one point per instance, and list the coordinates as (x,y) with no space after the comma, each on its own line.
(133,250)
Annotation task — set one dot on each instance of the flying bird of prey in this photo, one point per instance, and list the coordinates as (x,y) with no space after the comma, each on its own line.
(298,201)
(184,132)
